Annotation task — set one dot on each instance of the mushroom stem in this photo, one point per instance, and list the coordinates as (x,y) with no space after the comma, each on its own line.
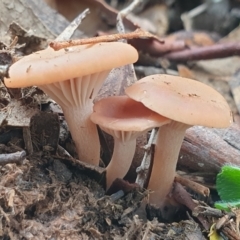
(168,144)
(121,160)
(75,96)
(84,132)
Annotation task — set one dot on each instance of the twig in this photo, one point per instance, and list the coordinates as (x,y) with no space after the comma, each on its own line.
(16,157)
(187,17)
(147,229)
(13,43)
(207,211)
(237,213)
(115,196)
(27,138)
(157,48)
(222,221)
(183,197)
(124,12)
(4,214)
(120,184)
(139,33)
(220,50)
(230,233)
(71,28)
(193,185)
(62,151)
(141,170)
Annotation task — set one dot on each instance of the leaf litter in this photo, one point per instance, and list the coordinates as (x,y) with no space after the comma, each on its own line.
(48,195)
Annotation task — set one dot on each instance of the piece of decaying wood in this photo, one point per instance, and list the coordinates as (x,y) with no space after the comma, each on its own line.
(183,197)
(45,129)
(230,135)
(206,149)
(193,185)
(218,50)
(97,173)
(16,157)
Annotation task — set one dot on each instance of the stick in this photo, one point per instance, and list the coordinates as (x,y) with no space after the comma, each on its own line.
(220,50)
(183,197)
(106,38)
(193,185)
(142,170)
(16,157)
(123,13)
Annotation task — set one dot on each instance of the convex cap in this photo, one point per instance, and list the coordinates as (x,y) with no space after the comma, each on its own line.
(183,100)
(49,66)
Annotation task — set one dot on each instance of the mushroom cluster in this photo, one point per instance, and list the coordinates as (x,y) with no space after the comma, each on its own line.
(73,76)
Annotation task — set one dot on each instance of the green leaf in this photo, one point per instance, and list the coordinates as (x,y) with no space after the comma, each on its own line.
(226,206)
(228,183)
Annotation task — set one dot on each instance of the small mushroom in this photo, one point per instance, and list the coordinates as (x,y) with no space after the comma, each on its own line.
(186,102)
(72,77)
(124,119)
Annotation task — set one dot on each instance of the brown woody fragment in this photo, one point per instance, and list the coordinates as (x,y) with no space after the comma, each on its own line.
(220,50)
(183,197)
(16,157)
(206,149)
(139,33)
(192,185)
(155,47)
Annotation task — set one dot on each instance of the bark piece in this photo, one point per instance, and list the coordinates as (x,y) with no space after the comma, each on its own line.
(16,157)
(184,198)
(206,149)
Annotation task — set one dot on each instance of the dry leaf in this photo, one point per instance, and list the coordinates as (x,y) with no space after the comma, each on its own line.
(16,114)
(102,17)
(24,16)
(157,14)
